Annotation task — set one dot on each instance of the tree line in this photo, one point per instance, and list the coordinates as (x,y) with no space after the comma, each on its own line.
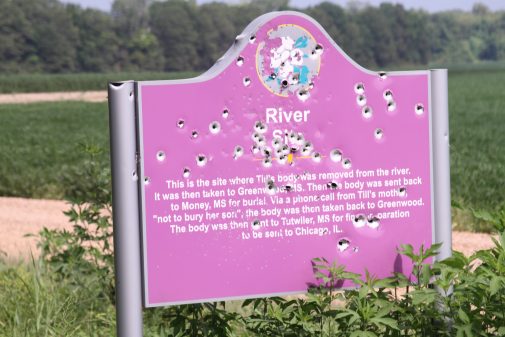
(175,35)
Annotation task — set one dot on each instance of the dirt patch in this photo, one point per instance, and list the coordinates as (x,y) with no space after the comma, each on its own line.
(469,243)
(24,98)
(19,217)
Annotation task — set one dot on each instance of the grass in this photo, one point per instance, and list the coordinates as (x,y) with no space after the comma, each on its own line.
(477,118)
(40,151)
(76,82)
(39,145)
(35,303)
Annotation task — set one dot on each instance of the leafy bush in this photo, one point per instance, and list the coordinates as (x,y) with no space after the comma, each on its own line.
(459,296)
(86,251)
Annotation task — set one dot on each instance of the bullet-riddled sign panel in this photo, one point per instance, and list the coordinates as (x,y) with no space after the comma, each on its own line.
(286,150)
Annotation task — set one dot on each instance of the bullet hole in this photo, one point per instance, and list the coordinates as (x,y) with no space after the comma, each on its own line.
(361,100)
(201,160)
(160,156)
(359,88)
(373,222)
(378,133)
(366,112)
(336,155)
(316,157)
(332,185)
(419,109)
(388,95)
(402,192)
(238,152)
(359,221)
(260,127)
(256,225)
(271,189)
(343,244)
(214,127)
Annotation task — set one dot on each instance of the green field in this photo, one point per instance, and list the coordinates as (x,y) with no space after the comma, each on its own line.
(39,143)
(477,119)
(77,82)
(18,83)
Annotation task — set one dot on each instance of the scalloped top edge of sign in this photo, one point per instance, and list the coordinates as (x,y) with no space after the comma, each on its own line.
(242,41)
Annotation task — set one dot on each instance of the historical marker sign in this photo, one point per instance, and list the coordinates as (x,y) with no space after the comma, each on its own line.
(284,151)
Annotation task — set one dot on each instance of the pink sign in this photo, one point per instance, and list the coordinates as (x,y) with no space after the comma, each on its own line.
(284,151)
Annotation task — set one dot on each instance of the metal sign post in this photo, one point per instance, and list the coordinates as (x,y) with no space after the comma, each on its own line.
(441,162)
(284,151)
(125,210)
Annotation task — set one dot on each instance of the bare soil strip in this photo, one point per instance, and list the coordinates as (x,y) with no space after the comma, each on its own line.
(25,98)
(19,217)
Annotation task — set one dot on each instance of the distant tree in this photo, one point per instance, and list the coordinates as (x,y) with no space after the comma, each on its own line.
(47,36)
(378,35)
(216,33)
(409,30)
(480,9)
(174,23)
(17,52)
(333,18)
(138,47)
(129,16)
(144,52)
(53,37)
(98,44)
(269,5)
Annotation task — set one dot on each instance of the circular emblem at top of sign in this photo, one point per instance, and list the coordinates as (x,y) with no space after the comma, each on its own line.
(288,60)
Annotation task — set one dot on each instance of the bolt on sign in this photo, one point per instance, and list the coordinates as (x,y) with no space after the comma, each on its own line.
(284,151)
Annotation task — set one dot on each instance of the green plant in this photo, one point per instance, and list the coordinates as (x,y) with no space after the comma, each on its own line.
(206,319)
(86,251)
(476,304)
(459,296)
(420,309)
(34,303)
(365,308)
